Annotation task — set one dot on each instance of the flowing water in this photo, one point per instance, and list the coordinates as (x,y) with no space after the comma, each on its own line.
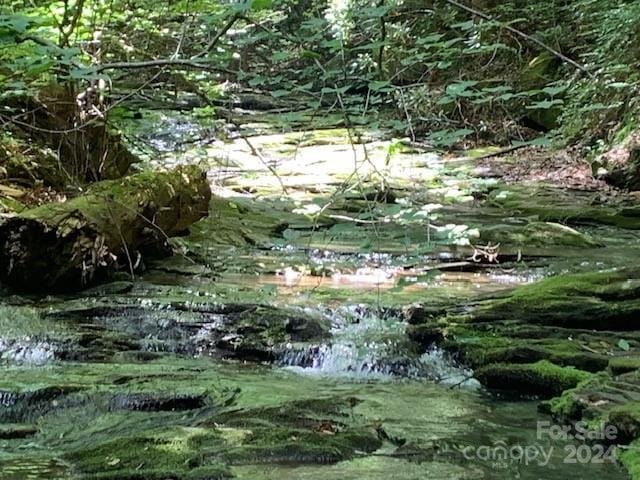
(325,248)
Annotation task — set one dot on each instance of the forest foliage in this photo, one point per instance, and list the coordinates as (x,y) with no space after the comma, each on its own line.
(440,71)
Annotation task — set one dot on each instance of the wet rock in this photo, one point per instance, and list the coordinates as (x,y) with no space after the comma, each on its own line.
(32,352)
(543,338)
(149,402)
(258,332)
(235,330)
(420,314)
(548,204)
(12,432)
(25,406)
(314,431)
(146,456)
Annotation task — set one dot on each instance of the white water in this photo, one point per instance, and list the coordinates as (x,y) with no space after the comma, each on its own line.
(366,345)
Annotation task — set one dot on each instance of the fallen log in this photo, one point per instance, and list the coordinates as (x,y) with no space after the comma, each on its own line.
(69,245)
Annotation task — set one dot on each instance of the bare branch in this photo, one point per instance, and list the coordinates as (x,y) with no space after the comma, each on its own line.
(214,41)
(165,62)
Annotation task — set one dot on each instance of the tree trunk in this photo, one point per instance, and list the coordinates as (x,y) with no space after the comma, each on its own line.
(67,246)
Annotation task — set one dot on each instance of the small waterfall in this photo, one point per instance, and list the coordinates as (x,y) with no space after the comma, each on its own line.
(27,351)
(368,344)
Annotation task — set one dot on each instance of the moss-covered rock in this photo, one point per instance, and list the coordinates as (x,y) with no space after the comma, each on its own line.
(538,235)
(549,204)
(608,300)
(630,458)
(542,378)
(478,351)
(624,364)
(603,400)
(155,455)
(171,419)
(318,431)
(68,245)
(249,332)
(259,332)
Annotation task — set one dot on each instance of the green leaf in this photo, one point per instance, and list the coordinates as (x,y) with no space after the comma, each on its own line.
(468,25)
(624,345)
(261,4)
(15,23)
(498,89)
(618,85)
(280,93)
(379,86)
(279,56)
(553,91)
(430,39)
(460,89)
(83,73)
(310,54)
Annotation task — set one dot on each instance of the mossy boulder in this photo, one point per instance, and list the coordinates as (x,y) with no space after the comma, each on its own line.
(603,400)
(479,350)
(630,458)
(243,331)
(542,378)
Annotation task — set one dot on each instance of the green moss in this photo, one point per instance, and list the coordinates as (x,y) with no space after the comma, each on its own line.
(549,204)
(483,350)
(570,405)
(38,164)
(601,300)
(545,235)
(167,454)
(630,458)
(542,378)
(25,321)
(619,365)
(10,205)
(318,431)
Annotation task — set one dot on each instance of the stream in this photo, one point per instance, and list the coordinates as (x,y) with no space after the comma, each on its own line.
(187,372)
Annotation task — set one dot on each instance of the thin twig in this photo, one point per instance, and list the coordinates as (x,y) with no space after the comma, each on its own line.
(162,62)
(214,41)
(501,152)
